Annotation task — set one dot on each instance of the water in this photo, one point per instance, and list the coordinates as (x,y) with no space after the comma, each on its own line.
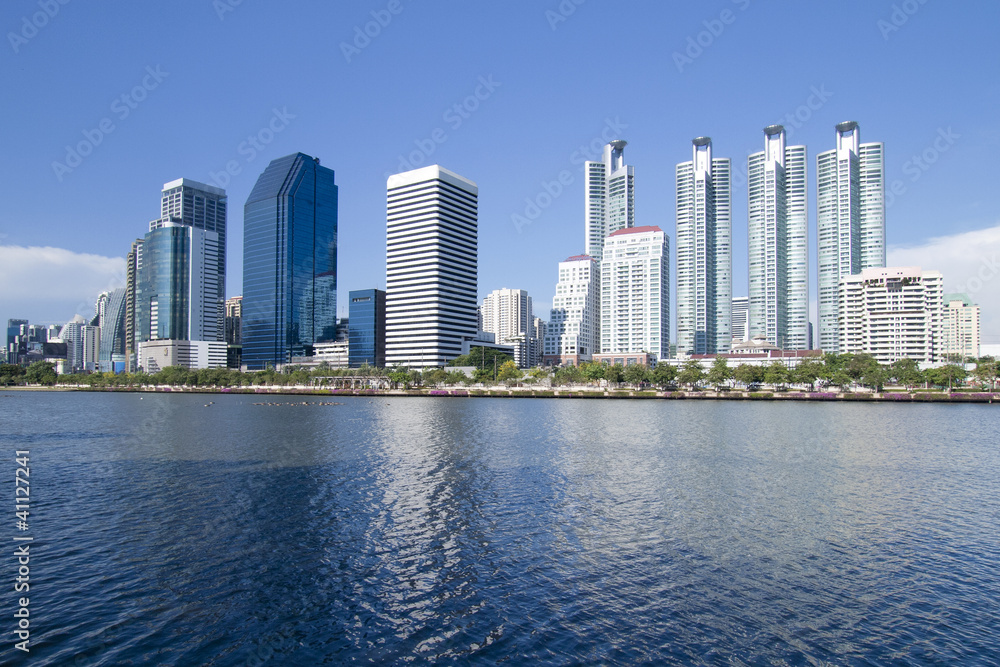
(484,531)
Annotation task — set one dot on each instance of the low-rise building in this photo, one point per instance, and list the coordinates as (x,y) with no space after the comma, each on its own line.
(155,355)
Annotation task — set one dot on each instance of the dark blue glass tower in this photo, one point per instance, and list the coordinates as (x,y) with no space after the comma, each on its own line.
(366,328)
(289,261)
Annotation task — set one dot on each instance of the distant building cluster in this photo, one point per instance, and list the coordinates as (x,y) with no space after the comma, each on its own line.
(611,303)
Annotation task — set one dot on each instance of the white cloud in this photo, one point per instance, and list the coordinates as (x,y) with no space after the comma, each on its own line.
(970,263)
(49,285)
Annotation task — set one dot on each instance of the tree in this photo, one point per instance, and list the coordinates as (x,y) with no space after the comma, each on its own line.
(807,372)
(399,376)
(664,374)
(435,376)
(720,372)
(857,365)
(41,372)
(482,357)
(691,373)
(456,378)
(567,375)
(777,375)
(509,371)
(615,375)
(906,372)
(636,374)
(875,377)
(593,371)
(174,375)
(749,376)
(986,372)
(539,372)
(11,374)
(946,376)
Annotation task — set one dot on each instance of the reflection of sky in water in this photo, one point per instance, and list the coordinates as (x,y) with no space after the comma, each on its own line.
(489,529)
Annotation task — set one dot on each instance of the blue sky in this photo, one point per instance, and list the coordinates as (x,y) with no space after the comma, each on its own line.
(156,92)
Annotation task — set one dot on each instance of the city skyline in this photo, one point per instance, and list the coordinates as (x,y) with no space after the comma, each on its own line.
(484,118)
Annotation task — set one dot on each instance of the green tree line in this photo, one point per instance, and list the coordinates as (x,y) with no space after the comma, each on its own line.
(831,370)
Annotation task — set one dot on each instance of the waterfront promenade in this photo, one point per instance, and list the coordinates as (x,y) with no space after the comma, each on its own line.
(893,395)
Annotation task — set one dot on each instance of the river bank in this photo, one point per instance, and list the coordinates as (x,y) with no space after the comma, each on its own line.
(922,396)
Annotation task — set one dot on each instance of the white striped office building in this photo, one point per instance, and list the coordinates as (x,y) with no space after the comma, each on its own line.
(431,266)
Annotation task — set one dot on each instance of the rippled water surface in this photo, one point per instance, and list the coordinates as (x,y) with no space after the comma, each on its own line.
(480,531)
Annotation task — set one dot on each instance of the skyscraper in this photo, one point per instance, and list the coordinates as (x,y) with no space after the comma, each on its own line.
(72,334)
(506,313)
(574,329)
(704,252)
(13,330)
(111,320)
(200,206)
(196,205)
(133,263)
(90,343)
(778,243)
(635,293)
(234,320)
(177,291)
(366,328)
(850,220)
(289,261)
(431,266)
(610,197)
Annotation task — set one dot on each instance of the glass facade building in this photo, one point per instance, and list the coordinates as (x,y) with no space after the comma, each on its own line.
(366,328)
(197,205)
(111,350)
(177,291)
(289,261)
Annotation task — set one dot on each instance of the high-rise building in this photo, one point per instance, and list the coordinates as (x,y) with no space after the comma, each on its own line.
(289,261)
(610,197)
(960,328)
(506,313)
(111,320)
(850,220)
(366,328)
(704,252)
(574,329)
(13,331)
(234,332)
(635,293)
(539,328)
(72,334)
(739,317)
(892,313)
(778,243)
(234,320)
(177,293)
(90,337)
(201,206)
(133,264)
(431,266)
